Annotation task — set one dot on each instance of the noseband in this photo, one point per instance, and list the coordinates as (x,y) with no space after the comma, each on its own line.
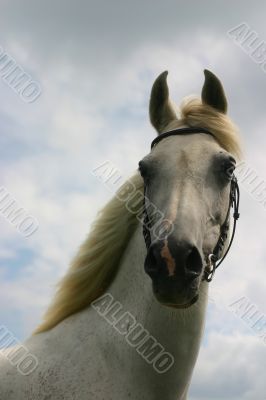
(215,258)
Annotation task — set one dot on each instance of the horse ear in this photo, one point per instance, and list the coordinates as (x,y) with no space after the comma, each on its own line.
(213,93)
(161,111)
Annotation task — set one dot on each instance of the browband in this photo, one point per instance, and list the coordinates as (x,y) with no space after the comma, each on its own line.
(180,131)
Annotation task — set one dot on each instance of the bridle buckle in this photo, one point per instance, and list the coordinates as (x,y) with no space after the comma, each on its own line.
(211,268)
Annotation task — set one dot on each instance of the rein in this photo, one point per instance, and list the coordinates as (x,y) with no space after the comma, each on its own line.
(216,257)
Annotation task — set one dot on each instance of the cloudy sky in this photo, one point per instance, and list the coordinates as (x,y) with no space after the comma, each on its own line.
(96,62)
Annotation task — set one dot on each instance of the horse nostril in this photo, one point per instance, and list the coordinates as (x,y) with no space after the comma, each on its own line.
(193,264)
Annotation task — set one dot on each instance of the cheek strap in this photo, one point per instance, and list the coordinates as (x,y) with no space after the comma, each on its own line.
(215,259)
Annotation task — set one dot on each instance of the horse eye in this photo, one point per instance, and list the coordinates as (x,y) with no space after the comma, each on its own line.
(229,166)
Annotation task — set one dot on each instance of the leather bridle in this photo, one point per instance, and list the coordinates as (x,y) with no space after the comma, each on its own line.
(218,255)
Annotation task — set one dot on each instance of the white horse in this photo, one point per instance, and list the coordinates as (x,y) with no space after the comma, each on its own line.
(117,330)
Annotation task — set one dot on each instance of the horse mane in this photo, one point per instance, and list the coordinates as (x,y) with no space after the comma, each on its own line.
(97,260)
(95,265)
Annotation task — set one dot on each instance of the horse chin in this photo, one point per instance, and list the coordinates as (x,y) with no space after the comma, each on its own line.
(179,305)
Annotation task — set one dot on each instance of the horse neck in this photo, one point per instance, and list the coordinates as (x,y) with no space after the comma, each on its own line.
(179,331)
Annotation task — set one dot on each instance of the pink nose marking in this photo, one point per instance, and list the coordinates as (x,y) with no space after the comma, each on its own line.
(165,253)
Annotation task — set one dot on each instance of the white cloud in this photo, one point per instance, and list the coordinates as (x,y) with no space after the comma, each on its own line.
(231,368)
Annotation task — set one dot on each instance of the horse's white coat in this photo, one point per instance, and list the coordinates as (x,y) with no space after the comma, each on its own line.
(84,358)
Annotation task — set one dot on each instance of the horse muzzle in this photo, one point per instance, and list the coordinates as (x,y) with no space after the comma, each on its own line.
(175,268)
